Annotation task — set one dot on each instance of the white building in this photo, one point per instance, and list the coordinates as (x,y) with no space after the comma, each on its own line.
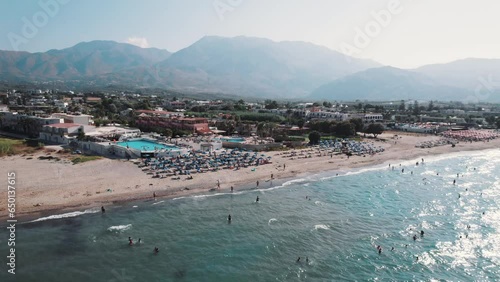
(78,119)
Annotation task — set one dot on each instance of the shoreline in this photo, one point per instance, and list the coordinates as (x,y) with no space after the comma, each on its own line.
(65,194)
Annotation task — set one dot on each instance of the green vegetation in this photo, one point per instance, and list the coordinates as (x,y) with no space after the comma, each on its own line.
(375,129)
(10,147)
(82,159)
(314,137)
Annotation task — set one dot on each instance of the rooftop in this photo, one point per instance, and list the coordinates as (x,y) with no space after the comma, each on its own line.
(63,125)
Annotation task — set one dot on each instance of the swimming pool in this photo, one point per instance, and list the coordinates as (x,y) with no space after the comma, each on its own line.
(145,145)
(232,139)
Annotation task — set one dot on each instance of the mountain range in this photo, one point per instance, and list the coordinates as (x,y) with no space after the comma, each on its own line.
(254,67)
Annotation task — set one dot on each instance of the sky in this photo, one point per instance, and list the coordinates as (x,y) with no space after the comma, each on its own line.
(400,33)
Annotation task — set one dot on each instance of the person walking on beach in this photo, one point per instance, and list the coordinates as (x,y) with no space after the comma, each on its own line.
(154,195)
(232,188)
(218,184)
(284,166)
(257,183)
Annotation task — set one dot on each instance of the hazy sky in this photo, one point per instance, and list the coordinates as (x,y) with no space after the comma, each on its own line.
(418,32)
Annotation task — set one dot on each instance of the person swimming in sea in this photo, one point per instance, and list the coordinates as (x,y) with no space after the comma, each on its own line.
(454,181)
(156,250)
(103,210)
(130,242)
(138,241)
(414,237)
(229,218)
(421,233)
(298,260)
(257,200)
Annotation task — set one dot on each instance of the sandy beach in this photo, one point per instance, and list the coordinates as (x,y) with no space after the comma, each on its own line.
(46,187)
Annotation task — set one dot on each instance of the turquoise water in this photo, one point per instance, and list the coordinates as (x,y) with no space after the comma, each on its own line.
(232,139)
(338,230)
(145,145)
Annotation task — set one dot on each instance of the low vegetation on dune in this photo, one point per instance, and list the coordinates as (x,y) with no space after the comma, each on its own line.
(82,159)
(9,147)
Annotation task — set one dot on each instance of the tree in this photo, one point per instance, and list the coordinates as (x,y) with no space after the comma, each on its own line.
(81,134)
(300,123)
(375,129)
(271,104)
(314,137)
(431,106)
(327,104)
(402,106)
(416,108)
(358,124)
(345,128)
(490,120)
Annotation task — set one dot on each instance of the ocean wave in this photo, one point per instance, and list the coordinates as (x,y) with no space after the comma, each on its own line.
(119,228)
(66,215)
(271,221)
(158,203)
(321,226)
(293,181)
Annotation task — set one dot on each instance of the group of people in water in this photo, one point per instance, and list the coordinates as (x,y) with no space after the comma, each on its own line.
(156,250)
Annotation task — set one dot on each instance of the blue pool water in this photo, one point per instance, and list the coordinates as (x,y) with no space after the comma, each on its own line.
(232,139)
(337,230)
(145,145)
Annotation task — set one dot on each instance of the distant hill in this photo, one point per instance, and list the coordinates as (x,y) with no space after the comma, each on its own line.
(387,83)
(250,67)
(256,66)
(467,73)
(82,60)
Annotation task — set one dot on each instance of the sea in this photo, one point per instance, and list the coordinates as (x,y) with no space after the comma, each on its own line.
(334,222)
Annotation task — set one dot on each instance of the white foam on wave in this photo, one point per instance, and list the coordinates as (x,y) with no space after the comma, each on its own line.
(66,215)
(119,228)
(293,181)
(134,206)
(272,220)
(158,203)
(321,226)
